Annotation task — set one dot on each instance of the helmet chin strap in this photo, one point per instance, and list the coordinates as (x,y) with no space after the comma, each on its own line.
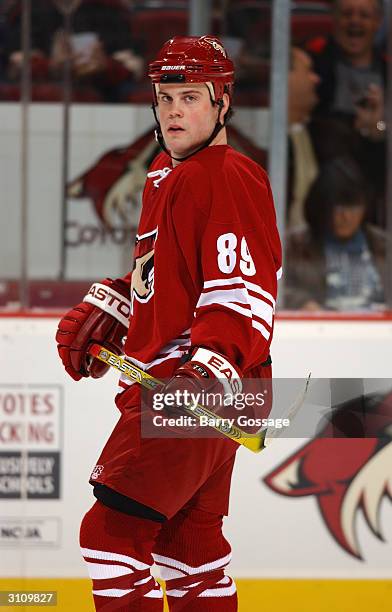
(215,132)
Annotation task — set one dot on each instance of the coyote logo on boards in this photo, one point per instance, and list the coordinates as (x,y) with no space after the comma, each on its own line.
(142,286)
(114,183)
(347,468)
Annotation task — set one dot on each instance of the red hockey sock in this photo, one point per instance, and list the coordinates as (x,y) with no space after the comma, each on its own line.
(192,554)
(202,593)
(117,550)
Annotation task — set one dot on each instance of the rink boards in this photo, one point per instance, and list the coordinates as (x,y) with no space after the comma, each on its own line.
(285,551)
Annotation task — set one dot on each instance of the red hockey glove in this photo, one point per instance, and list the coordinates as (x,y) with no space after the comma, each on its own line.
(102,317)
(207,372)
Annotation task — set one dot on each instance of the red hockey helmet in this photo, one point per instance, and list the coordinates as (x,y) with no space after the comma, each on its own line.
(194,59)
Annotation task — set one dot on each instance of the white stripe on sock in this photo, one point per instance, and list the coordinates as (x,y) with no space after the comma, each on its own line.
(113,592)
(101,571)
(227,592)
(110,556)
(188,569)
(155,594)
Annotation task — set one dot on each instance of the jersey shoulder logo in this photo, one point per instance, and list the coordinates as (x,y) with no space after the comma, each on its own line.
(142,285)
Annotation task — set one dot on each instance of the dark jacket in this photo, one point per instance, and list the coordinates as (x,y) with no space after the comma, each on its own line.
(332,138)
(370,155)
(326,55)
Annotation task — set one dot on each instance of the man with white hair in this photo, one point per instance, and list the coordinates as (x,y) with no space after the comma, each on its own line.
(351,68)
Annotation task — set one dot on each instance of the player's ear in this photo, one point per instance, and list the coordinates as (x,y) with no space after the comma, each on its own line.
(225,106)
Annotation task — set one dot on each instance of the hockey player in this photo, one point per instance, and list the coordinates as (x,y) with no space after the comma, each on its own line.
(200,300)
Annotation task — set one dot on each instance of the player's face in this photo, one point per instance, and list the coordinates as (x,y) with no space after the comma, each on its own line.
(186,116)
(356,22)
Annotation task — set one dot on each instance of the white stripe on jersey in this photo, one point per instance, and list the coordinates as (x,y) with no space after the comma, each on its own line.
(260,327)
(261,309)
(258,289)
(223,296)
(234,280)
(238,280)
(244,311)
(174,350)
(172,354)
(241,300)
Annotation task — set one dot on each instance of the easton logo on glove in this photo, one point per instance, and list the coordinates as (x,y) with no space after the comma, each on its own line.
(219,367)
(102,318)
(110,301)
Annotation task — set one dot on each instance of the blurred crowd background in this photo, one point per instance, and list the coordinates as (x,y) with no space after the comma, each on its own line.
(336,230)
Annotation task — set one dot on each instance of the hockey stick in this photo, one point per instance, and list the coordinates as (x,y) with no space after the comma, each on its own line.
(254,442)
(290,413)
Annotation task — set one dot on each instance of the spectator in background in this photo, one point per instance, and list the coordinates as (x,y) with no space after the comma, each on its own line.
(100,48)
(338,261)
(311,141)
(352,68)
(315,139)
(303,155)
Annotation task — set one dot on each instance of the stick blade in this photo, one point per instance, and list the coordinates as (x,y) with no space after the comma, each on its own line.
(255,443)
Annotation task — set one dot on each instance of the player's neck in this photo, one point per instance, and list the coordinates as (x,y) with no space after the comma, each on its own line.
(220,139)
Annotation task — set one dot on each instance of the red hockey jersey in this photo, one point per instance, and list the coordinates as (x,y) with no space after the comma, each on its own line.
(206,262)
